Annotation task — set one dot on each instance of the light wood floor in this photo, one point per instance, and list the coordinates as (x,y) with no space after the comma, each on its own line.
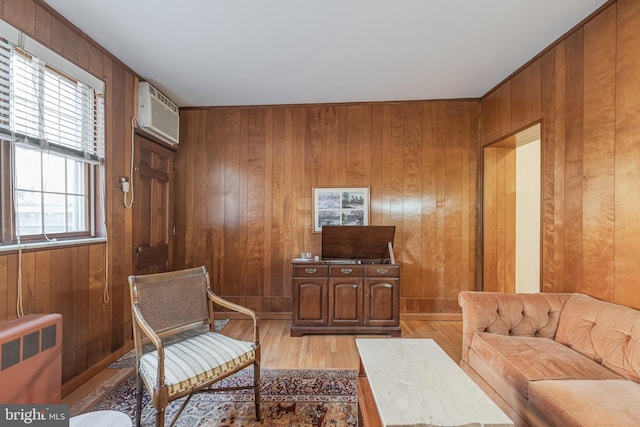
(281,351)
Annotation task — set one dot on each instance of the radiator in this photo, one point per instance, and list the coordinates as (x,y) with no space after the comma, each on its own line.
(31,359)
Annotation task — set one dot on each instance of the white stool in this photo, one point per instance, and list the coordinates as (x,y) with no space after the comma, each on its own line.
(101,419)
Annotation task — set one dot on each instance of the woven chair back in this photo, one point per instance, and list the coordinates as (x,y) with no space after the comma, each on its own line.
(173,299)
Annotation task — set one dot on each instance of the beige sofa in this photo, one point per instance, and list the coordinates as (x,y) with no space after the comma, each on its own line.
(554,359)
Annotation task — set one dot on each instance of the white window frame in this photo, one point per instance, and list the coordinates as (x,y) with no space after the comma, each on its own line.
(91,155)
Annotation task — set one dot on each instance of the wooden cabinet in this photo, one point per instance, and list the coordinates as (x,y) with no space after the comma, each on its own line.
(310,293)
(381,308)
(345,295)
(345,298)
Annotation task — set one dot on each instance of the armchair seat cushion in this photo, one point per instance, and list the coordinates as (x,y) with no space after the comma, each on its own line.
(198,360)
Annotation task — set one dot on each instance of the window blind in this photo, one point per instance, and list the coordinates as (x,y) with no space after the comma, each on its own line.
(5,89)
(44,108)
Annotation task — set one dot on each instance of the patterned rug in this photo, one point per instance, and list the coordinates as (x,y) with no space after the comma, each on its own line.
(288,398)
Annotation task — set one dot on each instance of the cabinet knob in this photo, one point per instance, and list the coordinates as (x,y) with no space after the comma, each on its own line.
(310,270)
(346,271)
(382,270)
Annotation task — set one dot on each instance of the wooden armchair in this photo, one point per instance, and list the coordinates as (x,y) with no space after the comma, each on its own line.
(165,304)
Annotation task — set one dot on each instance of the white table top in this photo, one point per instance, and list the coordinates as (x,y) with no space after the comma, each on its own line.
(414,382)
(101,419)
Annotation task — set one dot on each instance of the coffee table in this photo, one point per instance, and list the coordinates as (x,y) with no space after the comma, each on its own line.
(414,382)
(101,419)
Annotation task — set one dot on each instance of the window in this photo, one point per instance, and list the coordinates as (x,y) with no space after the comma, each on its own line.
(52,148)
(51,194)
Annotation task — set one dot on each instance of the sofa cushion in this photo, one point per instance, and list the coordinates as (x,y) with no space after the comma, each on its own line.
(525,315)
(587,402)
(520,360)
(607,333)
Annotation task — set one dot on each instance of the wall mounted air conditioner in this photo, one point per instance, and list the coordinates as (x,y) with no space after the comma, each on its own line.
(157,114)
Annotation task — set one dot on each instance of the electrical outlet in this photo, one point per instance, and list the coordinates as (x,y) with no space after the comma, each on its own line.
(121,179)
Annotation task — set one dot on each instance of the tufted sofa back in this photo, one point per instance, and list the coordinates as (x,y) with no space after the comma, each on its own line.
(607,333)
(527,315)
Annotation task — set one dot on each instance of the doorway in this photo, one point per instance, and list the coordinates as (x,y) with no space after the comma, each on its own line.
(511,213)
(153,207)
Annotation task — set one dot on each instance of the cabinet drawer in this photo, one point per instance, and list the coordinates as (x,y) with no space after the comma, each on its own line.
(382,270)
(347,270)
(310,270)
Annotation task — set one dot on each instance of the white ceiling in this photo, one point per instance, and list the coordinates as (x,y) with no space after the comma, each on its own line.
(253,52)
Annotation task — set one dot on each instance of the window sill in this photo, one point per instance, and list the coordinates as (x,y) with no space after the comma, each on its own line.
(51,245)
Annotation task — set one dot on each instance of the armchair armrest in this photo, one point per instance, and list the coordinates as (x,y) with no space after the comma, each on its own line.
(240,309)
(141,325)
(139,321)
(533,315)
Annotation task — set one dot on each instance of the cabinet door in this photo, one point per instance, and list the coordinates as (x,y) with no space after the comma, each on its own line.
(382,302)
(345,301)
(310,301)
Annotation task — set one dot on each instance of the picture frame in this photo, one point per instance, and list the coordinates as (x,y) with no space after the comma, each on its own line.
(344,206)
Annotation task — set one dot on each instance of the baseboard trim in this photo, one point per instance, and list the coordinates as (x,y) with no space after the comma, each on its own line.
(287,316)
(269,315)
(430,316)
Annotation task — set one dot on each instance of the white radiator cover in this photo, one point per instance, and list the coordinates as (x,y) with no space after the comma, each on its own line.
(31,359)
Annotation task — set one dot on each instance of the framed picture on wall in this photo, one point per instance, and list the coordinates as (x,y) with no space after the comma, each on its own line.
(340,206)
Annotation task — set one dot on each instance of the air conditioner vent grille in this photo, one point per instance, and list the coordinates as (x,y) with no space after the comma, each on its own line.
(10,353)
(166,101)
(30,345)
(48,337)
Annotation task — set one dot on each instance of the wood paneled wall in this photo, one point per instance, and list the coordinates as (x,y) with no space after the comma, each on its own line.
(499,219)
(70,280)
(245,178)
(586,90)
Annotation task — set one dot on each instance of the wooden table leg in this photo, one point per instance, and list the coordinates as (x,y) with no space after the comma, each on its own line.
(367,410)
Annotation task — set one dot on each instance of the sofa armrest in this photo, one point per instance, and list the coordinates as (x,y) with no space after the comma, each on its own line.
(531,315)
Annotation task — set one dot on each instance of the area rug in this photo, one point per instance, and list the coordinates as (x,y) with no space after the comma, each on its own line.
(296,398)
